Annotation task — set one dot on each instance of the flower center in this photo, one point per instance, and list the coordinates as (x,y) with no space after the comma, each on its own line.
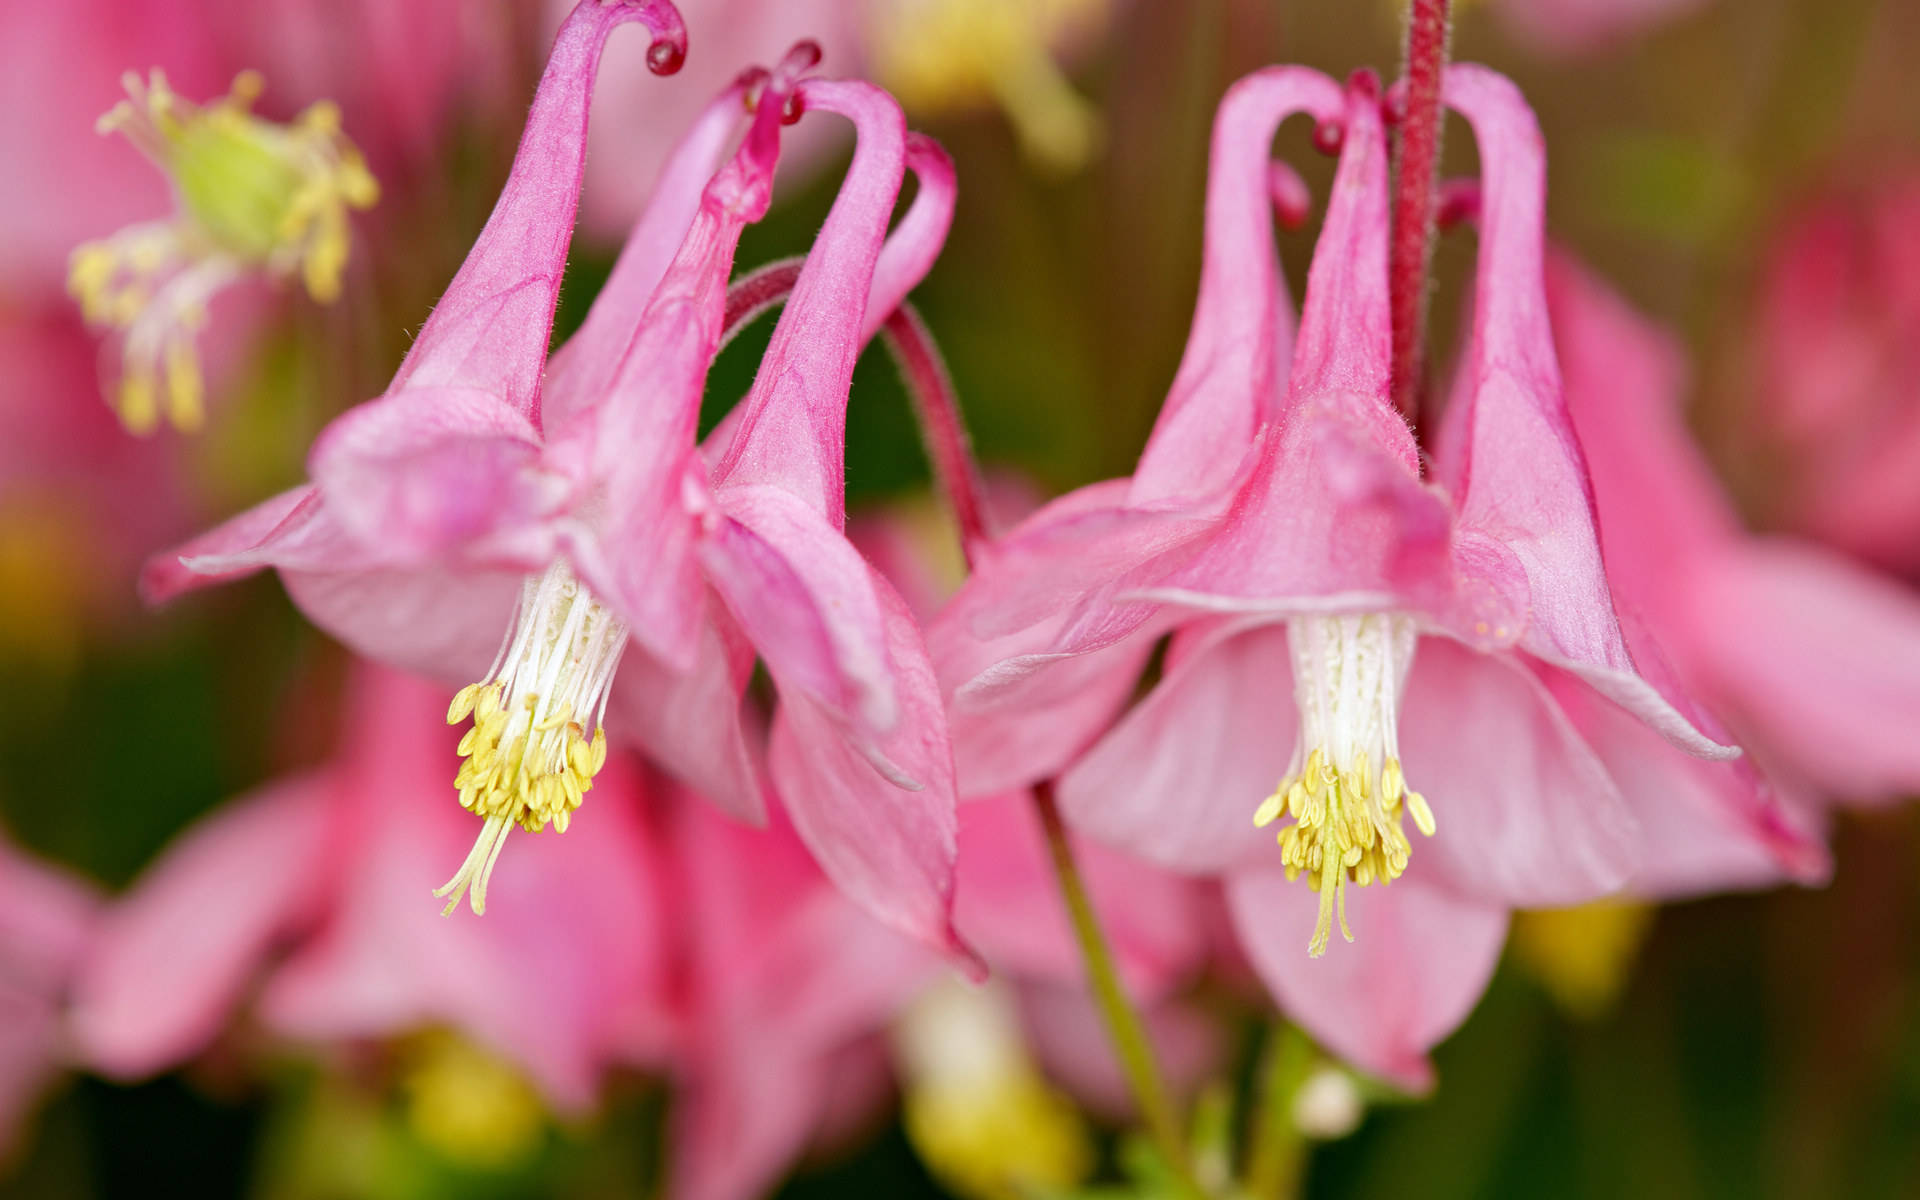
(1344,789)
(528,759)
(254,196)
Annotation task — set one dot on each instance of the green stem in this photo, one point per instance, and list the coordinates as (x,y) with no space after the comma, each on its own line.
(1123,1022)
(1279,1157)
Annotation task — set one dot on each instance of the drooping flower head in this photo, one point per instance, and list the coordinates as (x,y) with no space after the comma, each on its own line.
(252,197)
(571,531)
(1385,642)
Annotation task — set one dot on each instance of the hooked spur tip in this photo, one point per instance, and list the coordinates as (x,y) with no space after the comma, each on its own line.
(1292,202)
(1329,136)
(792,108)
(667,55)
(1364,81)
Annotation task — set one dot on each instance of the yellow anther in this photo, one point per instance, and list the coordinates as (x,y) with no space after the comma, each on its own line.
(1271,808)
(255,198)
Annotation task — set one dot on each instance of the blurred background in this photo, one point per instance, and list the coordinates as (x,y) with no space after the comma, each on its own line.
(1746,174)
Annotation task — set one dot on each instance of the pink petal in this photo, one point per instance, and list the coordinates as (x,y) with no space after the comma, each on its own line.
(491,327)
(1705,826)
(806,600)
(583,368)
(47,919)
(1420,958)
(294,523)
(174,955)
(792,434)
(1508,447)
(446,625)
(691,722)
(917,239)
(1818,657)
(890,849)
(1179,777)
(1235,366)
(1527,816)
(434,472)
(573,930)
(1007,902)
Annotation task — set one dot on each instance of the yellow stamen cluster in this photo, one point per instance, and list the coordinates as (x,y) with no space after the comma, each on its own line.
(942,55)
(255,197)
(1346,829)
(518,767)
(471,1107)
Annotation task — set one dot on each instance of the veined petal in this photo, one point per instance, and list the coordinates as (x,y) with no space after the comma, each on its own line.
(433,472)
(1508,448)
(1235,367)
(230,550)
(1527,815)
(491,327)
(792,432)
(1421,957)
(175,954)
(1178,778)
(807,601)
(888,844)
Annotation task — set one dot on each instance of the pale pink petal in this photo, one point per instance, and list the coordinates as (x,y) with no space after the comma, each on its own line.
(1179,777)
(1235,367)
(1705,826)
(891,849)
(807,601)
(1007,902)
(691,722)
(433,472)
(444,624)
(792,434)
(1421,956)
(491,327)
(241,545)
(1527,815)
(1508,448)
(570,945)
(176,953)
(47,919)
(1818,657)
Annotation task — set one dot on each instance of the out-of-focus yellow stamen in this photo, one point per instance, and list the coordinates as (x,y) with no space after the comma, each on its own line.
(469,1106)
(1582,955)
(946,55)
(976,1109)
(253,198)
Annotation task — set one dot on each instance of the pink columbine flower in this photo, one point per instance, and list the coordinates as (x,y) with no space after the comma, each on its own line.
(476,507)
(1580,26)
(1813,660)
(1837,365)
(304,899)
(1341,621)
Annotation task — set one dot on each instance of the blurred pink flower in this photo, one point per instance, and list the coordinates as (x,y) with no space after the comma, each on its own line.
(1838,364)
(310,896)
(46,921)
(1813,660)
(470,481)
(1309,575)
(1579,26)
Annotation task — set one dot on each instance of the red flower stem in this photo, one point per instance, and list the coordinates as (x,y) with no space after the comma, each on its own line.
(942,429)
(935,403)
(1414,200)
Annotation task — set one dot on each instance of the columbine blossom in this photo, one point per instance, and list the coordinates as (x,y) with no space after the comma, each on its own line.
(252,197)
(1341,621)
(625,578)
(1812,659)
(47,921)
